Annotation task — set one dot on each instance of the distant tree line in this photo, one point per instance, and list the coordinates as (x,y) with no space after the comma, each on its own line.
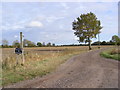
(26,43)
(115,40)
(104,43)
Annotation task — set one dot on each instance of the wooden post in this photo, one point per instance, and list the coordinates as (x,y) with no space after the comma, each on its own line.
(21,40)
(21,45)
(98,40)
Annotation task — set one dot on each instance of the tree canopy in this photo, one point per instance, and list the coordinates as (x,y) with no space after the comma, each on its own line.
(16,43)
(28,43)
(116,40)
(4,42)
(86,27)
(39,44)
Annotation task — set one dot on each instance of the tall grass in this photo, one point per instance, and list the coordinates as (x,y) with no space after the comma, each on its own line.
(38,62)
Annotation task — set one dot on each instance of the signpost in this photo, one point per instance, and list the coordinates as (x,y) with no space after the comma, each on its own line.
(21,45)
(19,50)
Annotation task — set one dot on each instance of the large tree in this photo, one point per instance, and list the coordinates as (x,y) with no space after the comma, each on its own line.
(86,27)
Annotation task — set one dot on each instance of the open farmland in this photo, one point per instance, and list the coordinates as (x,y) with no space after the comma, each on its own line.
(85,70)
(38,61)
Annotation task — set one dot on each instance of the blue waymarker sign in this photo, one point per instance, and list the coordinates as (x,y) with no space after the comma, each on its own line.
(18,51)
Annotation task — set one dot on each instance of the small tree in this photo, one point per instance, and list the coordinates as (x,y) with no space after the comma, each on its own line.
(116,40)
(16,43)
(28,43)
(111,42)
(53,44)
(86,27)
(39,44)
(5,43)
(49,44)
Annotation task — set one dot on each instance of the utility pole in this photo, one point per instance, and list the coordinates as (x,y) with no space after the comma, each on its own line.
(98,40)
(21,46)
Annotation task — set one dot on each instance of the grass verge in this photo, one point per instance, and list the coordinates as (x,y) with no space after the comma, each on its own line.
(111,53)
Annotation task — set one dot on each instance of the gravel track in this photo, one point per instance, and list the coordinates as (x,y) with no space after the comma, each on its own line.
(87,70)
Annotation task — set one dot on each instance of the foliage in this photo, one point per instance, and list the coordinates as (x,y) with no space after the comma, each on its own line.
(5,43)
(49,44)
(103,43)
(116,40)
(28,43)
(16,43)
(86,27)
(53,44)
(39,44)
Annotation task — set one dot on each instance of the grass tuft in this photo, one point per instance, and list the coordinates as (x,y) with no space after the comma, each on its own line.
(112,54)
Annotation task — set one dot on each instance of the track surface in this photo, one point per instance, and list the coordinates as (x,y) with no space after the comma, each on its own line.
(87,70)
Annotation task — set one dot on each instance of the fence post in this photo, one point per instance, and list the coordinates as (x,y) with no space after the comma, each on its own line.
(21,45)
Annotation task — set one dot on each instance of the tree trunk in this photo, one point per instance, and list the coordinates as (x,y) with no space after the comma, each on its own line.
(89,44)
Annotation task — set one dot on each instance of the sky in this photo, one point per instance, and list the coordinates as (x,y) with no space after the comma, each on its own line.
(52,21)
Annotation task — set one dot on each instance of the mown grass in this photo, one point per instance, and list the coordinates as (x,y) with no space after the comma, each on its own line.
(111,53)
(38,62)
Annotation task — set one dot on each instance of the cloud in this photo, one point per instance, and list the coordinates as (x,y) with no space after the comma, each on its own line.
(61,26)
(12,27)
(76,38)
(40,18)
(17,27)
(59,1)
(53,18)
(33,24)
(65,5)
(15,36)
(96,7)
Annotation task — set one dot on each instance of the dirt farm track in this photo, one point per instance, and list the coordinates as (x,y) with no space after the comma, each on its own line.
(87,70)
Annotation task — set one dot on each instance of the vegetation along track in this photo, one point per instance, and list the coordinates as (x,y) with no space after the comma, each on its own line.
(87,70)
